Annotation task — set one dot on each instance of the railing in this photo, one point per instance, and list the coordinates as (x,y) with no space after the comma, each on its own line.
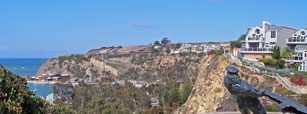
(273,73)
(255,38)
(251,38)
(290,40)
(256,50)
(294,58)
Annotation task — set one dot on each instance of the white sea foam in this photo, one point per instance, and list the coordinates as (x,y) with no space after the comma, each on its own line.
(18,67)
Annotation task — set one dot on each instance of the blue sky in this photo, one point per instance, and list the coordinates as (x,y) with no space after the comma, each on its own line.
(48,28)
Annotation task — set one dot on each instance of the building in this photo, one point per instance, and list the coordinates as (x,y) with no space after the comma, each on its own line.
(298,43)
(154,101)
(260,40)
(297,38)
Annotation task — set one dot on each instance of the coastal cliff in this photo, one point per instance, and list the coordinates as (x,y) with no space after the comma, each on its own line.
(77,66)
(118,64)
(209,93)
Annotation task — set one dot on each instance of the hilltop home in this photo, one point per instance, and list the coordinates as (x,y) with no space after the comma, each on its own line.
(297,42)
(260,40)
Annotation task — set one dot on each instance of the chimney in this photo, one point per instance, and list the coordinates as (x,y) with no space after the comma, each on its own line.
(265,24)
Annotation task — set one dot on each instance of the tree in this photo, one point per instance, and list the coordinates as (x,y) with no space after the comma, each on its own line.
(157,43)
(165,41)
(178,45)
(168,50)
(287,49)
(242,37)
(15,96)
(62,93)
(297,65)
(276,52)
(237,44)
(186,90)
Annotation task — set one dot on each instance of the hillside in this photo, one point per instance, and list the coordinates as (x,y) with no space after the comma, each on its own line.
(210,95)
(96,65)
(166,77)
(170,77)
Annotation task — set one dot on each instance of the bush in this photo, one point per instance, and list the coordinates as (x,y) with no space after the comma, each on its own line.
(218,52)
(280,63)
(210,52)
(276,52)
(273,62)
(237,44)
(272,108)
(303,99)
(288,92)
(15,96)
(285,54)
(301,72)
(298,79)
(270,79)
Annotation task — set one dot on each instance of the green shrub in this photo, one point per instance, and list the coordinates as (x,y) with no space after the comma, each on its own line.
(270,79)
(219,52)
(276,52)
(272,108)
(288,92)
(107,111)
(273,62)
(16,97)
(285,54)
(301,72)
(303,99)
(280,63)
(237,44)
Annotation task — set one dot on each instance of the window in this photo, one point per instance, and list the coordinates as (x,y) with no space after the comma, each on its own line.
(303,32)
(273,34)
(257,31)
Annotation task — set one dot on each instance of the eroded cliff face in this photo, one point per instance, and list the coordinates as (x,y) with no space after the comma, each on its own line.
(209,93)
(149,67)
(77,66)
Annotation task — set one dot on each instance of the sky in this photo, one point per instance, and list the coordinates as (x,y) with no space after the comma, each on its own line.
(49,28)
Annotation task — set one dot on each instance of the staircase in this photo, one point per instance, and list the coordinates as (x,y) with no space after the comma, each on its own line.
(285,83)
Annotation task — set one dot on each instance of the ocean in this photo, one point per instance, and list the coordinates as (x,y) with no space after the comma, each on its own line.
(27,66)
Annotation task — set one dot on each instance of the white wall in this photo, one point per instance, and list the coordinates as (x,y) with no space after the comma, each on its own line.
(250,34)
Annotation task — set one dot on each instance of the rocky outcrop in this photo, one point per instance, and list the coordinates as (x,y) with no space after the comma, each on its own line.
(209,93)
(77,66)
(148,67)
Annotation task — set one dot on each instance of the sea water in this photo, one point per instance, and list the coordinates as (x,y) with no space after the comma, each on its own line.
(27,66)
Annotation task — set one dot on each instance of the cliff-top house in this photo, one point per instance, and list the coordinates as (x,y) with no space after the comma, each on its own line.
(260,41)
(297,42)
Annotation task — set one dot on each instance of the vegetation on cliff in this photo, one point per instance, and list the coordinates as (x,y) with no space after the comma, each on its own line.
(16,98)
(167,77)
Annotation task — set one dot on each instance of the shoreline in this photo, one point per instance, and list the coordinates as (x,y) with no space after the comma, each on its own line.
(42,82)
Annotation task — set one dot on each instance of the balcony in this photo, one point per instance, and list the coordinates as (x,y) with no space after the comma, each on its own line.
(296,41)
(256,50)
(294,59)
(255,39)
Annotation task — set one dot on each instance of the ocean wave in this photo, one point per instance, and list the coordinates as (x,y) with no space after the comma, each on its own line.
(18,67)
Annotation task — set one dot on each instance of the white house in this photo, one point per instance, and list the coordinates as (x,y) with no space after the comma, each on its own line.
(298,43)
(260,40)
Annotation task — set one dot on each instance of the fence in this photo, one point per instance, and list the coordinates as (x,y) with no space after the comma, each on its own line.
(274,73)
(262,69)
